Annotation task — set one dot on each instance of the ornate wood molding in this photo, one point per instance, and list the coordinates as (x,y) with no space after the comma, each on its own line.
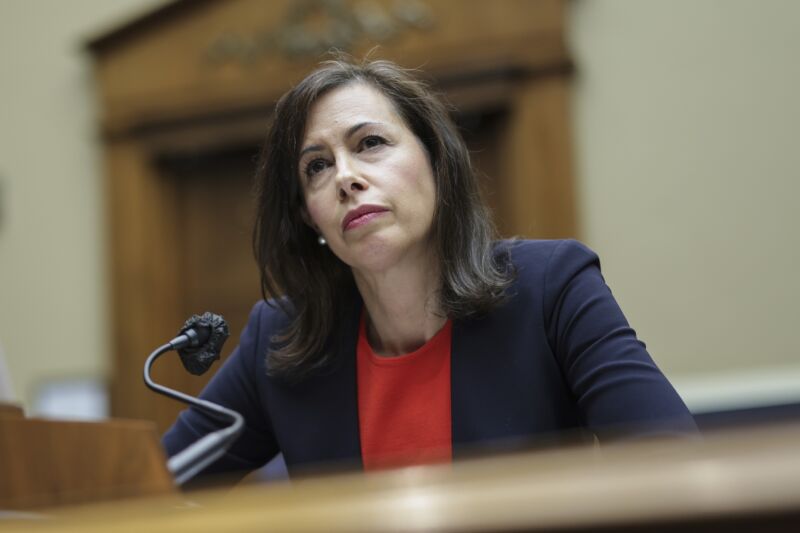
(312,27)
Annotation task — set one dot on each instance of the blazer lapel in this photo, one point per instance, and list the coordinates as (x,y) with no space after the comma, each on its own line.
(321,411)
(340,401)
(482,383)
(350,434)
(465,365)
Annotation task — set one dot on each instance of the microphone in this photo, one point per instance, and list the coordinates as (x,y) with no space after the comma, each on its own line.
(198,343)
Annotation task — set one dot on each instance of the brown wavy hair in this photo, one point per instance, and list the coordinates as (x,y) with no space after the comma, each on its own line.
(306,280)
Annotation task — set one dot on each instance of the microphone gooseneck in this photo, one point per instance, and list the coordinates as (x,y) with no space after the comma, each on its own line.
(199,344)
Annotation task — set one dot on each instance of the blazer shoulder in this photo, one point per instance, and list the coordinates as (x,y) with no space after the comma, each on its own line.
(267,318)
(533,259)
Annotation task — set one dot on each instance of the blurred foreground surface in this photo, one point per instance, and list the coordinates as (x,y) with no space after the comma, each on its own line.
(744,479)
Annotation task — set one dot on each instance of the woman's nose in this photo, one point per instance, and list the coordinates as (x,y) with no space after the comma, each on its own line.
(348,181)
(349,186)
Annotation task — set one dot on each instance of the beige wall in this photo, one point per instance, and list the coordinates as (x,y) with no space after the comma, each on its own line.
(688,142)
(686,123)
(53,300)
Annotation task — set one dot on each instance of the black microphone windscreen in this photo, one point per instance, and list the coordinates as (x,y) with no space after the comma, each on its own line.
(212,332)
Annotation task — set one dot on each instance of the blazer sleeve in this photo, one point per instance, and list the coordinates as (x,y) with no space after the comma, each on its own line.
(236,385)
(618,388)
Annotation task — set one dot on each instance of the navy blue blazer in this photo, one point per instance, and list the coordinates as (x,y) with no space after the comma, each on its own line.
(557,357)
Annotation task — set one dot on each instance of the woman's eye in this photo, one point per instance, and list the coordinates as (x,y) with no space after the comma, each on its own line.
(372,141)
(315,166)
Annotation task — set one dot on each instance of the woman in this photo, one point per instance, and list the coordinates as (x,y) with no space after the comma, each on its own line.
(406,334)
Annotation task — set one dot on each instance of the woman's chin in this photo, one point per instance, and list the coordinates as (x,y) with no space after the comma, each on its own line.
(374,253)
(375,256)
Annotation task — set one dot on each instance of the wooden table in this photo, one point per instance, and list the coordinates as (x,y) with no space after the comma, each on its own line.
(56,462)
(746,480)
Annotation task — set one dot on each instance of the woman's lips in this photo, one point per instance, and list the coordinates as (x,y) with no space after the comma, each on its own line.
(362,215)
(363,219)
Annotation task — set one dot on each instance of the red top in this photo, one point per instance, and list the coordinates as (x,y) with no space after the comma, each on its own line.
(404,403)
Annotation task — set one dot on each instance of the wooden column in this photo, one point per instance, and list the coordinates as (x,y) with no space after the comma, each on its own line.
(146,278)
(538,188)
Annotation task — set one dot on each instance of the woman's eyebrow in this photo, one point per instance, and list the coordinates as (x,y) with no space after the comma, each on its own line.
(353,129)
(349,133)
(312,148)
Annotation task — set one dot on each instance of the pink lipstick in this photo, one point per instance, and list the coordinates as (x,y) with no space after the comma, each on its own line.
(361,215)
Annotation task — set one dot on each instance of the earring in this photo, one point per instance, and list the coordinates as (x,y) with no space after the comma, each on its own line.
(321,240)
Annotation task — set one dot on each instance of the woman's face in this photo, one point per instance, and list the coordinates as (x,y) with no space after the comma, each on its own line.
(367,180)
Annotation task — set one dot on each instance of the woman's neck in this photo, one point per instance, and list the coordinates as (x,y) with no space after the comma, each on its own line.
(402,305)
